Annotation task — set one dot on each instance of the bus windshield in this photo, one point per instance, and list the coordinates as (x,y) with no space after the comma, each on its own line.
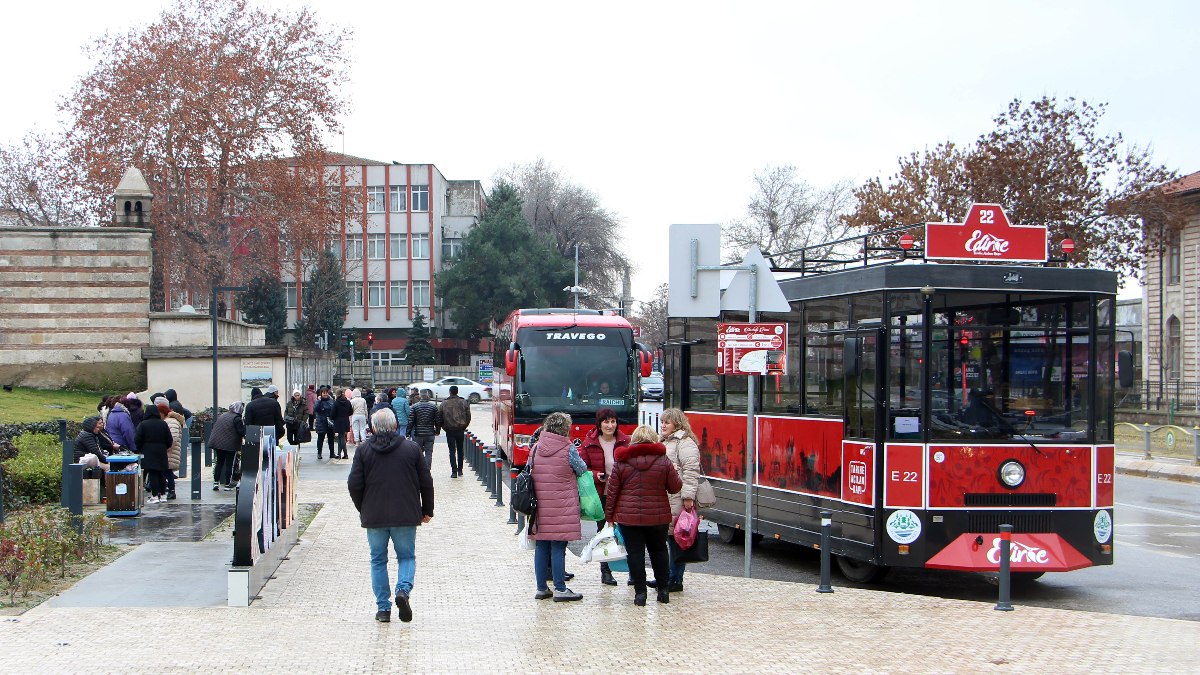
(576,370)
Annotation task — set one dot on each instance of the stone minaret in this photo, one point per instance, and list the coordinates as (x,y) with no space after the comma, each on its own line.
(132,201)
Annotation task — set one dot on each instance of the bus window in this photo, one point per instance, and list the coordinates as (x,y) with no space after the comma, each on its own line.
(905,396)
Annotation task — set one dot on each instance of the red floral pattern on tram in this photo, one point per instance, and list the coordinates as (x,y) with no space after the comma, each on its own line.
(1065,471)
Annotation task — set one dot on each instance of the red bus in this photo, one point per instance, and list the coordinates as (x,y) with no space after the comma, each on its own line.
(925,404)
(562,360)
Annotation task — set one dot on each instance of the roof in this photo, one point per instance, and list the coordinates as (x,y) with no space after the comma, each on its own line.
(342,159)
(1184,185)
(133,184)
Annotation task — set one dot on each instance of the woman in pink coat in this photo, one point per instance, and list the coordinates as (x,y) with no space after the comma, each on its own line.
(556,465)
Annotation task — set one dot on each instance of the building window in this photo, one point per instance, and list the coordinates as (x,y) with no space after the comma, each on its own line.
(420,293)
(399,246)
(398,198)
(451,248)
(420,198)
(376,246)
(1174,348)
(375,199)
(354,247)
(289,288)
(1173,258)
(336,249)
(399,294)
(376,293)
(420,246)
(354,293)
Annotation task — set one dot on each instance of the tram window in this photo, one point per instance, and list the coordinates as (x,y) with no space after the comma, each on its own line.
(823,374)
(905,308)
(826,315)
(703,386)
(1104,385)
(867,309)
(904,382)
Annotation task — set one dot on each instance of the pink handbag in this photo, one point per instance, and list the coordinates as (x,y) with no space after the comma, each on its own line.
(686,527)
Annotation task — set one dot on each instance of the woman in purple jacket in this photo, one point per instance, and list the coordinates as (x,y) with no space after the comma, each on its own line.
(556,464)
(120,427)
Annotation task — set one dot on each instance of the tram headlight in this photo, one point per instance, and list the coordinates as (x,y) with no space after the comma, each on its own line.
(1012,473)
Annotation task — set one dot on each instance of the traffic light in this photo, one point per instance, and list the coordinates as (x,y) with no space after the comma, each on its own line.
(350,341)
(370,340)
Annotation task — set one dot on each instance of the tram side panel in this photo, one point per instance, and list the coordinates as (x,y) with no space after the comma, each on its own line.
(804,467)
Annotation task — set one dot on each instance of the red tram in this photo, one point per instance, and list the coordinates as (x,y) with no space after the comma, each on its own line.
(925,404)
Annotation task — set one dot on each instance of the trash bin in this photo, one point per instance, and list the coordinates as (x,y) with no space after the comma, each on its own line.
(123,486)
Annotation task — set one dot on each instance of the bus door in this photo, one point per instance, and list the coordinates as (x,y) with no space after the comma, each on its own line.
(863,387)
(864,370)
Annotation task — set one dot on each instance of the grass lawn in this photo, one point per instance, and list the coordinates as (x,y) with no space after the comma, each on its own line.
(45,405)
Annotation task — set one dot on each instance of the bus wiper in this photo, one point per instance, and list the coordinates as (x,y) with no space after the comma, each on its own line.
(1025,435)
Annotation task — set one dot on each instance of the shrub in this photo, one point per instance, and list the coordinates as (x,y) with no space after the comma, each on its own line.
(34,476)
(35,541)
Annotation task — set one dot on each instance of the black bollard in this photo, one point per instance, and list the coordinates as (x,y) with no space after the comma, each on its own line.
(488,476)
(196,477)
(512,513)
(483,459)
(185,442)
(826,534)
(499,479)
(1004,605)
(72,493)
(68,456)
(208,456)
(470,443)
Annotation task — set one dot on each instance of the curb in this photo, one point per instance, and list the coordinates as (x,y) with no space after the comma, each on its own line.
(1145,468)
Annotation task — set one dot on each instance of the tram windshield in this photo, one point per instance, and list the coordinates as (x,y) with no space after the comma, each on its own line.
(999,371)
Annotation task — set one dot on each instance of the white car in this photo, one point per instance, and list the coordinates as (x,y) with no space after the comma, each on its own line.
(471,390)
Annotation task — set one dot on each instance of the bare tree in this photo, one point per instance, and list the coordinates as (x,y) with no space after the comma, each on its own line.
(570,214)
(786,214)
(36,184)
(652,317)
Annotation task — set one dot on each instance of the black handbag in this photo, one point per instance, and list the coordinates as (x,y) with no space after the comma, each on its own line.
(304,434)
(524,501)
(696,553)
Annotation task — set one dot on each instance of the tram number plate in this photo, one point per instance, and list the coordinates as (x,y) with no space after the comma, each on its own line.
(902,478)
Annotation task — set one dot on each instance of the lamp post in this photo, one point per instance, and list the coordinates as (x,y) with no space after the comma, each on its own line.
(213,309)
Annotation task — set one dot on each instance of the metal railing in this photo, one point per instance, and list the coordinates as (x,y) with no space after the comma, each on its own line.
(1172,395)
(396,375)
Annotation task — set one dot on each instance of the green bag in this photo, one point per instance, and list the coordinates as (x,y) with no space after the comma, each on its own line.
(590,507)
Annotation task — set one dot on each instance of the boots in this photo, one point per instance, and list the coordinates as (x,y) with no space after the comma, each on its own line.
(606,577)
(664,596)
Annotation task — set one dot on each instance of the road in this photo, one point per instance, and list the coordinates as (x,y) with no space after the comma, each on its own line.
(1156,553)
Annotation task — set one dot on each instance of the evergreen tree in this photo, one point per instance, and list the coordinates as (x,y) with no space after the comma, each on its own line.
(325,301)
(504,265)
(419,351)
(266,303)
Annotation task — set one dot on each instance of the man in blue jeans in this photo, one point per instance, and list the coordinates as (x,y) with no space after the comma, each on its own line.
(392,488)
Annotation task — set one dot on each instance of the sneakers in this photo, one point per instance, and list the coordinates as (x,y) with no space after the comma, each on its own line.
(383,617)
(454,474)
(229,488)
(171,495)
(216,487)
(403,608)
(152,499)
(567,595)
(542,595)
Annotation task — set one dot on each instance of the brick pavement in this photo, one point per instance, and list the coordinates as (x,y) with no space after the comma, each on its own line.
(474,611)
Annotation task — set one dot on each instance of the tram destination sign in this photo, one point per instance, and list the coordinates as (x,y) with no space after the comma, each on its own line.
(986,234)
(751,348)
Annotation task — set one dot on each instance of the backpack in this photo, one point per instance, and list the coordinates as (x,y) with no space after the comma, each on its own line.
(524,501)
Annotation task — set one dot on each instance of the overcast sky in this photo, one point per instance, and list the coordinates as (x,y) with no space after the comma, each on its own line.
(665,110)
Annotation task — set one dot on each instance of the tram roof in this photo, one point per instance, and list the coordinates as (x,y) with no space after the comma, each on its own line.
(946,277)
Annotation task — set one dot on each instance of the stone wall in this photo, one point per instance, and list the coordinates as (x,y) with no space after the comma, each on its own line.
(74,307)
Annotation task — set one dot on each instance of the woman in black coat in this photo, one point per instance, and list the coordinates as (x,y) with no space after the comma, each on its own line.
(342,410)
(153,438)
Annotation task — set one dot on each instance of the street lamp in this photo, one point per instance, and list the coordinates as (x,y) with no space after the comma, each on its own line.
(213,309)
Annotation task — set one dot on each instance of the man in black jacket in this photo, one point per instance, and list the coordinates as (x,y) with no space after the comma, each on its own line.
(426,423)
(265,412)
(456,417)
(392,488)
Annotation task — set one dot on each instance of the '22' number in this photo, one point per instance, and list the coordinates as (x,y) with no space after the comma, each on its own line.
(987,216)
(1104,478)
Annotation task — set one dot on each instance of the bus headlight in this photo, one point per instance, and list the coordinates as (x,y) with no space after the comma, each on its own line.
(1012,474)
(521,439)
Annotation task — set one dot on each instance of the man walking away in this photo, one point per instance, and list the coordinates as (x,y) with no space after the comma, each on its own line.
(265,412)
(456,417)
(426,420)
(392,488)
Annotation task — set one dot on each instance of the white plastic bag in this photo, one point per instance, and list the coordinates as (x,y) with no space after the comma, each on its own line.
(603,547)
(524,543)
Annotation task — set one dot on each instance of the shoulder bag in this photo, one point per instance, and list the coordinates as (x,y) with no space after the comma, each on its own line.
(524,501)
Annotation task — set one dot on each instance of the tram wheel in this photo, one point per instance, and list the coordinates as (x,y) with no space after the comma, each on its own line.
(861,572)
(729,534)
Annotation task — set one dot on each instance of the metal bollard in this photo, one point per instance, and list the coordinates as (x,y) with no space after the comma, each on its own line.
(1195,442)
(826,535)
(1005,576)
(1146,434)
(499,479)
(512,513)
(208,456)
(196,469)
(483,458)
(487,474)
(72,494)
(472,450)
(185,442)
(68,452)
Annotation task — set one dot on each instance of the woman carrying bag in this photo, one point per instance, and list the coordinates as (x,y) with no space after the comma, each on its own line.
(684,453)
(556,468)
(637,502)
(598,451)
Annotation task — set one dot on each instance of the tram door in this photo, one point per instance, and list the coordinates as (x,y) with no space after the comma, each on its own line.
(863,403)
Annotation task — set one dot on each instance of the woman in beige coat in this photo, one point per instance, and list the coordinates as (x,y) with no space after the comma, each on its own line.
(684,453)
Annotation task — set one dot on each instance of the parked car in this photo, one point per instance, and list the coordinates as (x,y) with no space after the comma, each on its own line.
(471,390)
(652,388)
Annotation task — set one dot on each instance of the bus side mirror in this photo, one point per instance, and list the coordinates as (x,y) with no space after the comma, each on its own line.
(510,361)
(850,361)
(645,362)
(1125,369)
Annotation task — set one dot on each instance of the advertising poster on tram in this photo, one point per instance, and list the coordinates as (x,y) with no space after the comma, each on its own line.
(751,348)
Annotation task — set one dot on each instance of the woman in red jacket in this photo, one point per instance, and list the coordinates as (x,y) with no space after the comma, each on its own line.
(599,453)
(637,501)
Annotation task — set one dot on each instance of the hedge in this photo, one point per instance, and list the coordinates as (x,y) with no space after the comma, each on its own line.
(34,476)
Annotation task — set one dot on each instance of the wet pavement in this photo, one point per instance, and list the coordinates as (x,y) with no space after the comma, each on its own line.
(178,522)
